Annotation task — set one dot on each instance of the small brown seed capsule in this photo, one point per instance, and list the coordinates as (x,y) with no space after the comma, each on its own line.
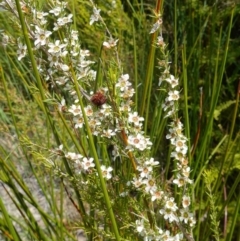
(98,98)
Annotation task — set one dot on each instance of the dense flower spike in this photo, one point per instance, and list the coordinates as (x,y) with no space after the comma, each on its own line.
(107,172)
(170,211)
(146,181)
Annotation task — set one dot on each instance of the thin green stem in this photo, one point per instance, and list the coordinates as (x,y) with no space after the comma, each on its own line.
(213,103)
(9,223)
(220,78)
(175,39)
(135,65)
(149,73)
(234,224)
(185,92)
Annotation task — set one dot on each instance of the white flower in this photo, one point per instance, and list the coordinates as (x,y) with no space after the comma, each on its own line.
(183,161)
(170,204)
(186,201)
(172,81)
(137,182)
(56,27)
(88,110)
(41,36)
(171,112)
(84,53)
(178,156)
(56,11)
(123,82)
(160,41)
(126,106)
(127,93)
(140,226)
(180,181)
(87,163)
(73,156)
(150,184)
(106,110)
(178,124)
(172,135)
(151,162)
(192,220)
(95,16)
(145,171)
(168,214)
(62,80)
(84,63)
(123,194)
(124,77)
(53,59)
(167,104)
(180,145)
(186,171)
(178,237)
(108,133)
(22,50)
(165,235)
(156,194)
(55,48)
(63,21)
(134,118)
(185,215)
(74,35)
(40,15)
(173,95)
(93,123)
(79,121)
(139,142)
(75,110)
(64,67)
(110,44)
(107,172)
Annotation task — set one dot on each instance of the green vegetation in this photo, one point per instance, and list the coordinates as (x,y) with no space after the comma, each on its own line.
(119,120)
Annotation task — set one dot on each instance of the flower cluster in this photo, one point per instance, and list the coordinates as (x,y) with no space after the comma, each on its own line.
(158,235)
(86,165)
(57,60)
(137,143)
(170,211)
(110,114)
